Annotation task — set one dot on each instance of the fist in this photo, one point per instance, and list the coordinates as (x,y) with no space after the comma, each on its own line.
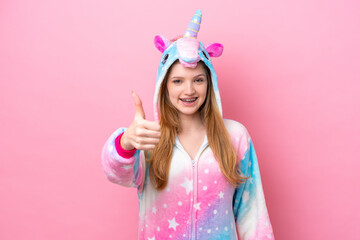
(141,134)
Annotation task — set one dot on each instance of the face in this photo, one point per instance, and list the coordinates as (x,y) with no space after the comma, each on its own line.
(187,88)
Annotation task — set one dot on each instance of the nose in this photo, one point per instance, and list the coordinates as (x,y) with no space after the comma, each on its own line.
(189,88)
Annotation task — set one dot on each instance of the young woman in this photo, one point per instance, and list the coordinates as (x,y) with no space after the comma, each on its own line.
(196,173)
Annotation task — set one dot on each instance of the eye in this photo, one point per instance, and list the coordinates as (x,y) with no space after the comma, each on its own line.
(205,55)
(176,81)
(163,61)
(199,80)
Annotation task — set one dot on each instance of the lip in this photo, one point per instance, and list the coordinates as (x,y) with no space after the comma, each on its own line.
(189,104)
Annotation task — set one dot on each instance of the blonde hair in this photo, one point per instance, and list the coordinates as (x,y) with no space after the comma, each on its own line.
(217,134)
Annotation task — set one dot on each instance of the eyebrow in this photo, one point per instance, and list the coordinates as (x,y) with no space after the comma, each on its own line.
(179,77)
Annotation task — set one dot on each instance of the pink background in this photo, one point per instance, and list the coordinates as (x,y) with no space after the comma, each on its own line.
(289,73)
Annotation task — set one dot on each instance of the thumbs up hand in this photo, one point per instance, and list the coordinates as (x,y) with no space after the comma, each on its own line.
(141,134)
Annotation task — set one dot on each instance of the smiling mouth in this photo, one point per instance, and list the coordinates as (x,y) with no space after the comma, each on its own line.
(188,100)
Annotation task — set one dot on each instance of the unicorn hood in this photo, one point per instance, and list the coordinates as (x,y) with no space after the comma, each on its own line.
(189,51)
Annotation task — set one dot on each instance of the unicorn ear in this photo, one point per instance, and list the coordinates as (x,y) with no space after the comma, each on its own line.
(161,43)
(214,49)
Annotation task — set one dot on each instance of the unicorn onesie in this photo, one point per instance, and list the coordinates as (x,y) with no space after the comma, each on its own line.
(198,201)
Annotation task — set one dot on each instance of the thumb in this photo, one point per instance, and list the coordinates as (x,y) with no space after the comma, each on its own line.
(139,110)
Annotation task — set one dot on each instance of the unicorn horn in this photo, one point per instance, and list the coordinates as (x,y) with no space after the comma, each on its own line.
(194,26)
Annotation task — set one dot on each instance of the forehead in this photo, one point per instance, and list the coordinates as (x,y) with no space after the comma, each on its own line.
(178,70)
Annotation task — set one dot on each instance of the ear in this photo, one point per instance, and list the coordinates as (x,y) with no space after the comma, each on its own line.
(214,49)
(161,43)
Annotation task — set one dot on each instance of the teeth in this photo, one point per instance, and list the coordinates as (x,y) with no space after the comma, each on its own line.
(188,99)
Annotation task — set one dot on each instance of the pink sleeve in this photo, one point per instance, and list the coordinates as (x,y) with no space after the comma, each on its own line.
(126,168)
(120,150)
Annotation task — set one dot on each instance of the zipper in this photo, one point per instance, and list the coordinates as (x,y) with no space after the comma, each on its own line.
(193,164)
(193,212)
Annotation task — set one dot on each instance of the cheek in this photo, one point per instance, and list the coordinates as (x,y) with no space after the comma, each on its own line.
(170,91)
(203,91)
(173,94)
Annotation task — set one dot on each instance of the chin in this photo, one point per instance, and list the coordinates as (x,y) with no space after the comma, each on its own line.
(188,112)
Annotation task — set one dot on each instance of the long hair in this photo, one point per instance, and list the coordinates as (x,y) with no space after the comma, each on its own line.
(217,134)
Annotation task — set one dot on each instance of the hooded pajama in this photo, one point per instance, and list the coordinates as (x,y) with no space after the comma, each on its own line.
(198,201)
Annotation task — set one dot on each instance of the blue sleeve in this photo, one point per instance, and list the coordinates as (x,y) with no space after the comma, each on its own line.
(251,214)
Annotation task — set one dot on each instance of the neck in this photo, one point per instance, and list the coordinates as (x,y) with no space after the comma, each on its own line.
(191,123)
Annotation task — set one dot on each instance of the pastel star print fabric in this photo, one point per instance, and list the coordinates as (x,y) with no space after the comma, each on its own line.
(198,202)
